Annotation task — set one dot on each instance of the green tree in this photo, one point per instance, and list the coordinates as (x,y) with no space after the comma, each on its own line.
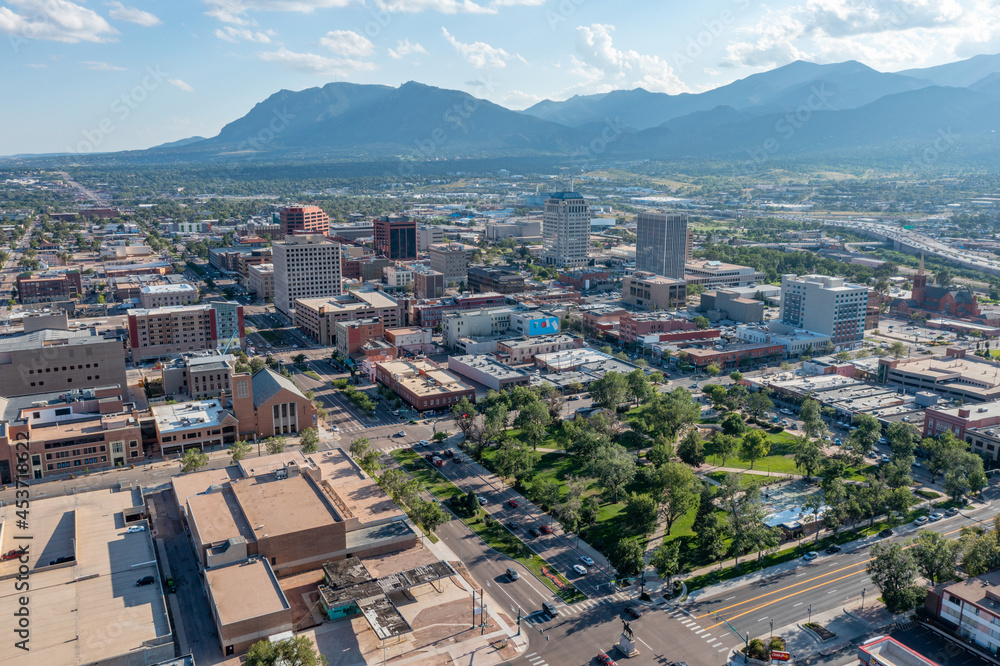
(309,440)
(193,460)
(515,460)
(691,449)
(736,375)
(724,446)
(533,419)
(464,413)
(545,492)
(239,450)
(661,453)
(676,490)
(640,513)
(893,571)
(701,322)
(902,438)
(711,536)
(754,446)
(812,420)
(935,556)
(615,468)
(758,404)
(666,561)
(733,425)
(713,370)
(295,651)
(429,514)
(440,436)
(299,359)
(897,349)
(808,456)
(610,391)
(359,447)
(867,434)
(274,444)
(626,557)
(640,389)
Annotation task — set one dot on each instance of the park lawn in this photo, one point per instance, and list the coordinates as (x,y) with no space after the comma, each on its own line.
(270,336)
(780,461)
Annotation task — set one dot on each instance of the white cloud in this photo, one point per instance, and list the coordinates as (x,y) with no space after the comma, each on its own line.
(177,83)
(235,11)
(122,13)
(841,18)
(452,6)
(405,48)
(233,34)
(347,43)
(478,54)
(774,45)
(517,99)
(312,63)
(604,67)
(54,20)
(102,66)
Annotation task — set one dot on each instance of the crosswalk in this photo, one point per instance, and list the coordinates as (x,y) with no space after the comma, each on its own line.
(580,606)
(536,659)
(354,426)
(715,640)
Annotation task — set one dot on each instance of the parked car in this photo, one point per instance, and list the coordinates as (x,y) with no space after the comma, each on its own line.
(580,569)
(135,528)
(10,555)
(635,611)
(401,433)
(171,585)
(587,560)
(424,442)
(546,529)
(811,555)
(886,533)
(512,574)
(833,549)
(920,520)
(935,516)
(336,428)
(534,532)
(145,580)
(951,512)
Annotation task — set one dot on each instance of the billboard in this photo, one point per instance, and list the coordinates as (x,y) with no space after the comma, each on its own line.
(543,326)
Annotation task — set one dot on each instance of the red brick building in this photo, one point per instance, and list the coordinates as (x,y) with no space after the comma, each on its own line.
(423,384)
(303,220)
(352,335)
(48,287)
(940,300)
(633,326)
(734,355)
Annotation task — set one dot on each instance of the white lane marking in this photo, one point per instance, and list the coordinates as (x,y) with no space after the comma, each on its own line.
(529,656)
(798,604)
(728,598)
(831,591)
(722,649)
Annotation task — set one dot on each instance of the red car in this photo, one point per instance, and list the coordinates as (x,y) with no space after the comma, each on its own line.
(605,659)
(512,503)
(546,529)
(10,555)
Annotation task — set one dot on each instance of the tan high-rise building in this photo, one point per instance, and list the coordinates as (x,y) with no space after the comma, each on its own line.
(303,220)
(662,243)
(451,260)
(566,229)
(305,267)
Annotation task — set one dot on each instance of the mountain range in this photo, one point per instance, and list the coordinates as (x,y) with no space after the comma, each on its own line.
(802,110)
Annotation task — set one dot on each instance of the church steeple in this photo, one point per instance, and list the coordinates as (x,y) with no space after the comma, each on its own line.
(920,271)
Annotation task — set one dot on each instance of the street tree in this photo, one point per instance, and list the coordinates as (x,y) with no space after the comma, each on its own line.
(897,349)
(736,375)
(359,446)
(274,444)
(868,432)
(935,556)
(902,438)
(640,513)
(515,460)
(545,492)
(893,571)
(440,436)
(309,440)
(758,404)
(295,651)
(610,391)
(193,460)
(626,556)
(429,514)
(812,419)
(640,389)
(713,370)
(666,562)
(754,446)
(239,450)
(464,413)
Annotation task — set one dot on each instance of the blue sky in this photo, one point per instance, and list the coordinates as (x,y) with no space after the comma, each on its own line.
(101,75)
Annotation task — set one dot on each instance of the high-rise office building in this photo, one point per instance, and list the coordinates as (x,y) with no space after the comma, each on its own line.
(396,237)
(566,229)
(661,243)
(305,267)
(451,260)
(303,220)
(827,305)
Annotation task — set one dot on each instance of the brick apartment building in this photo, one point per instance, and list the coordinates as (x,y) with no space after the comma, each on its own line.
(734,356)
(48,287)
(161,332)
(423,384)
(634,325)
(353,335)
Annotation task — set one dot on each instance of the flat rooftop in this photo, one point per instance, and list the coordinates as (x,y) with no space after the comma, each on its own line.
(186,485)
(352,300)
(560,339)
(169,288)
(170,310)
(362,498)
(245,590)
(891,652)
(217,516)
(91,607)
(188,415)
(284,506)
(425,378)
(488,365)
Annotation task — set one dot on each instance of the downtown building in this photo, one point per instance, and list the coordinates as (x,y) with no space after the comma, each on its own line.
(162,332)
(830,306)
(305,267)
(300,219)
(565,230)
(396,237)
(662,244)
(452,261)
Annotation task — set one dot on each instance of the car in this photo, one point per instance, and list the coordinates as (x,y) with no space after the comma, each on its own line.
(546,529)
(920,520)
(580,569)
(836,442)
(934,517)
(438,462)
(811,555)
(886,533)
(534,532)
(635,611)
(833,549)
(574,397)
(513,524)
(482,501)
(512,503)
(171,585)
(512,574)
(60,560)
(885,458)
(401,433)
(135,528)
(549,608)
(449,454)
(587,560)
(424,442)
(145,580)
(602,657)
(10,555)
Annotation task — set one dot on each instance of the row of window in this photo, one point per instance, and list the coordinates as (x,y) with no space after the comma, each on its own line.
(56,369)
(69,380)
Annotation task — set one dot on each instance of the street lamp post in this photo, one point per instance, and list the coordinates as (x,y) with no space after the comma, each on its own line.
(863,596)
(771,637)
(810,613)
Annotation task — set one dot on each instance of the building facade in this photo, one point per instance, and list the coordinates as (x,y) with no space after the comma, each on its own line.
(566,230)
(352,335)
(318,317)
(165,295)
(423,384)
(396,237)
(523,351)
(305,267)
(713,274)
(452,261)
(59,360)
(303,220)
(653,292)
(260,282)
(48,287)
(162,332)
(428,283)
(661,243)
(827,305)
(483,279)
(427,235)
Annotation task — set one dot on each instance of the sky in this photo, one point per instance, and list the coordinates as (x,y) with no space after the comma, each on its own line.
(90,76)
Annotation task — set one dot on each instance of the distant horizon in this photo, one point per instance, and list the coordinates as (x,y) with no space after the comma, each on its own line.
(132,74)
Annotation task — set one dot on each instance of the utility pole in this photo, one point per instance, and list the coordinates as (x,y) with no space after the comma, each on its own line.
(863,597)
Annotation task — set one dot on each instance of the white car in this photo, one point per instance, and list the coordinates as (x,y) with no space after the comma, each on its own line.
(136,528)
(587,560)
(920,520)
(580,569)
(424,442)
(336,428)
